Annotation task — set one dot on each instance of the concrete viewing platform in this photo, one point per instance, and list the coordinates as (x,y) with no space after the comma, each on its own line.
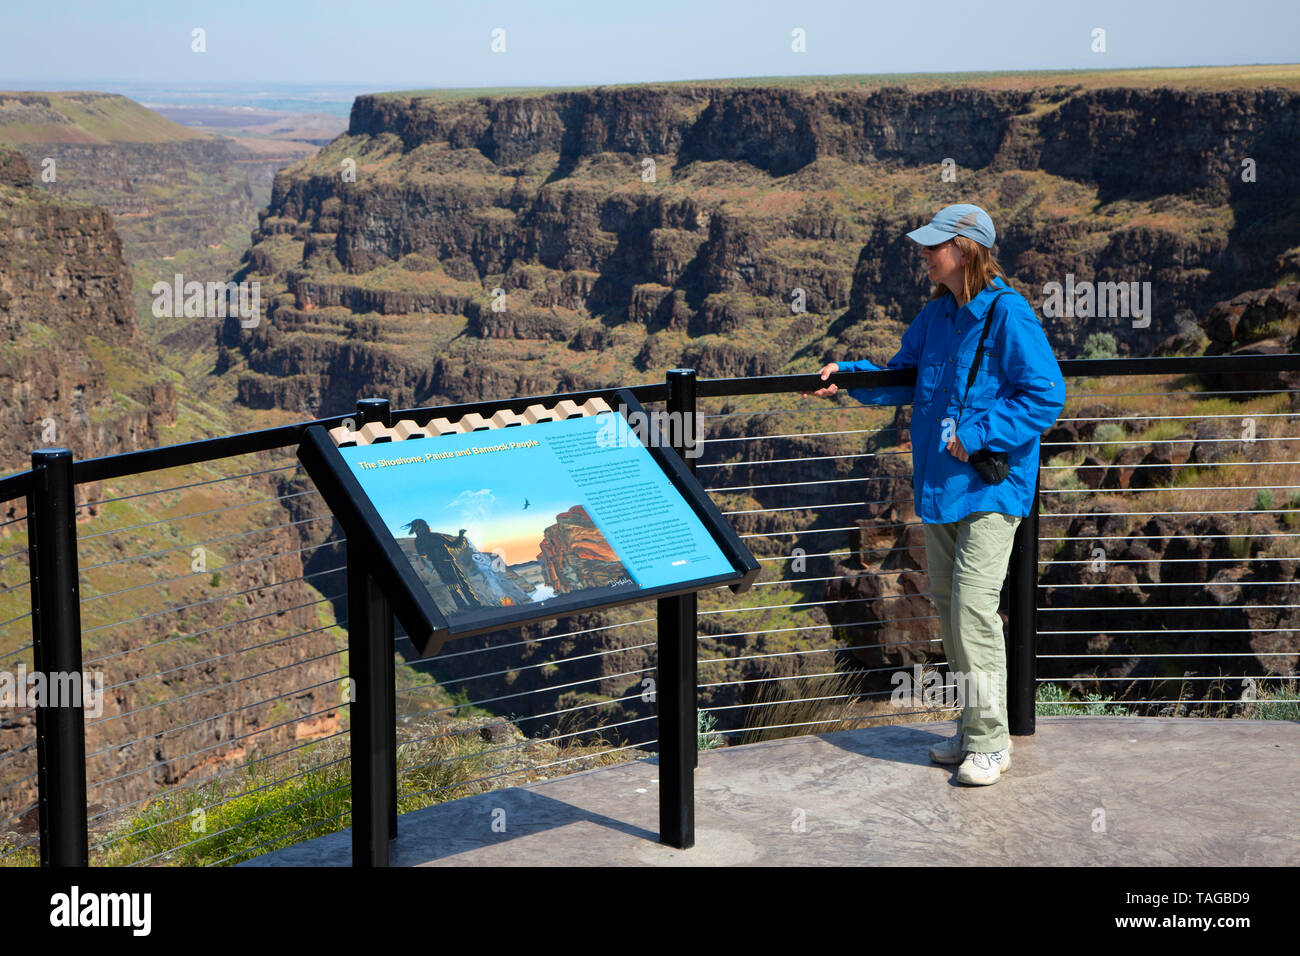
(1110,791)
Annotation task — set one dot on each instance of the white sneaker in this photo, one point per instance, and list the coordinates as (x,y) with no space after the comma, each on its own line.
(948,751)
(983,769)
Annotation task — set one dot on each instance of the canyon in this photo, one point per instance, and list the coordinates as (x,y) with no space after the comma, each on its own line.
(449,250)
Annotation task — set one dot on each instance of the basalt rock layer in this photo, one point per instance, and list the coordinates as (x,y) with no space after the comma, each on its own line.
(66,325)
(498,245)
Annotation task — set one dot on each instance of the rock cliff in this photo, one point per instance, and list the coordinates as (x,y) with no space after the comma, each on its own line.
(76,371)
(474,248)
(182,199)
(68,330)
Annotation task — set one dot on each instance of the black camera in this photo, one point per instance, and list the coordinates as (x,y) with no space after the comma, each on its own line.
(990,465)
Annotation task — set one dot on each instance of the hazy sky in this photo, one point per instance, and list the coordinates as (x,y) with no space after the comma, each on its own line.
(418,43)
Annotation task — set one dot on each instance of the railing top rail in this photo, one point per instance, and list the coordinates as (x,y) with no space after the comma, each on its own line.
(266,439)
(227,446)
(1084,368)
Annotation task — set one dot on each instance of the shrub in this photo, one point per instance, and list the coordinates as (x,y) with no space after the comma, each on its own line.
(806,705)
(708,736)
(1105,435)
(1053,700)
(1100,345)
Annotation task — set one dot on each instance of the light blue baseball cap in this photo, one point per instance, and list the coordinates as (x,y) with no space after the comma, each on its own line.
(962,219)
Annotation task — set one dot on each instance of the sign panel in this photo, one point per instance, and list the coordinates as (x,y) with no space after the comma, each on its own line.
(536,515)
(486,529)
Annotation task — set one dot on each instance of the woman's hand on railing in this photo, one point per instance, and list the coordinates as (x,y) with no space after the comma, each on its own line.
(831,389)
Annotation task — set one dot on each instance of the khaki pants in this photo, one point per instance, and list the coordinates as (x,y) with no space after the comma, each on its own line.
(967,561)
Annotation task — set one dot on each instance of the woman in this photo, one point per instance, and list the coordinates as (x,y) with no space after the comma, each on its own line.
(970,518)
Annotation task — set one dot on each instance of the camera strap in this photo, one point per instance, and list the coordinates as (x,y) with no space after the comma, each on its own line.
(979,352)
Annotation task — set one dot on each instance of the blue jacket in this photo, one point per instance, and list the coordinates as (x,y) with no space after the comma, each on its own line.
(1017,394)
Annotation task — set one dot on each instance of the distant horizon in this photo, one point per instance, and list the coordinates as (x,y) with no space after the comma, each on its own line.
(336,99)
(96,84)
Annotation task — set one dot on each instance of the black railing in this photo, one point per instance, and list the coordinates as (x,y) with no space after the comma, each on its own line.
(49,489)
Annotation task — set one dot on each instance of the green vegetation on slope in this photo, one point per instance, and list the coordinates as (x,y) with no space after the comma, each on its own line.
(84,117)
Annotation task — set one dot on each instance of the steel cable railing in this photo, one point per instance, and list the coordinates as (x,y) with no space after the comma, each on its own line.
(184,648)
(193,514)
(18,744)
(212,660)
(798,658)
(213,630)
(203,543)
(184,487)
(117,810)
(209,571)
(205,603)
(1127,658)
(1050,447)
(444,761)
(549,688)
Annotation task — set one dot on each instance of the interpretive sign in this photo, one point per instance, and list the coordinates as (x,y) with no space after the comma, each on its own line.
(484,523)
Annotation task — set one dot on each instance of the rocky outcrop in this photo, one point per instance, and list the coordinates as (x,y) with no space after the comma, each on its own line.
(171,187)
(243,672)
(192,692)
(574,555)
(172,192)
(1252,316)
(1258,322)
(1165,572)
(67,328)
(131,179)
(15,171)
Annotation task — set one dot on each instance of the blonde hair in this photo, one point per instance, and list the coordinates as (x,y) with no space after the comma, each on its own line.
(981,269)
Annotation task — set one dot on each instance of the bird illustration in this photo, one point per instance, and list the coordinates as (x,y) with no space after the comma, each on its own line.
(526,503)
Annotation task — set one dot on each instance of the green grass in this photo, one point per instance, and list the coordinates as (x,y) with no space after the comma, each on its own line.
(1292,517)
(1053,700)
(1100,345)
(1198,77)
(1107,437)
(1282,703)
(1163,432)
(1240,546)
(91,117)
(264,809)
(806,705)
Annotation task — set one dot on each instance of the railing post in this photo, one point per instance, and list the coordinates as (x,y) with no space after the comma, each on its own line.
(371,783)
(56,640)
(374,708)
(1022,662)
(678,668)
